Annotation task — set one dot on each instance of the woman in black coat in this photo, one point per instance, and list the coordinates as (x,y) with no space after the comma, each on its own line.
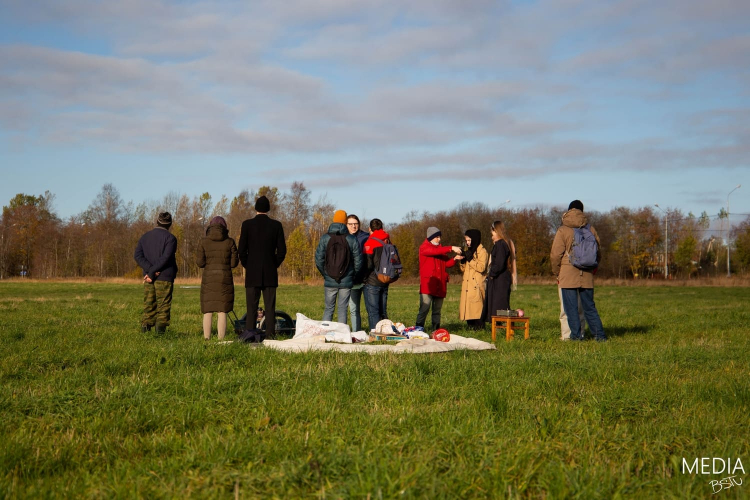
(217,254)
(499,277)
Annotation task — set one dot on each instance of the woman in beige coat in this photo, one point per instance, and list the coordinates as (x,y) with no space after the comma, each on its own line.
(473,263)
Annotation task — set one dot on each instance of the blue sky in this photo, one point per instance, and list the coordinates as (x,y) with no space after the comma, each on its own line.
(384,107)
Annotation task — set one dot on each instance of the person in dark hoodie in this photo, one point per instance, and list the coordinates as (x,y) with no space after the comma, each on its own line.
(217,255)
(355,299)
(576,284)
(375,291)
(338,286)
(155,253)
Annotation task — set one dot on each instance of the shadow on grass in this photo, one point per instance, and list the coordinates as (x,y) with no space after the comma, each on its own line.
(457,326)
(621,331)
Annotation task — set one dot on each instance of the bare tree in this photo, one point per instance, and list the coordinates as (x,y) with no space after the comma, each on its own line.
(221,208)
(297,205)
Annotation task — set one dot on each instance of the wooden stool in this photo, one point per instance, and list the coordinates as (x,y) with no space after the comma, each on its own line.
(510,327)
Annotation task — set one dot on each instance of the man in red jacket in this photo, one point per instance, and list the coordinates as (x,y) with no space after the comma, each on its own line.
(433,277)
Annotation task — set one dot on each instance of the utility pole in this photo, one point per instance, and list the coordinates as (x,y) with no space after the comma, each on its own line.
(666,241)
(729,273)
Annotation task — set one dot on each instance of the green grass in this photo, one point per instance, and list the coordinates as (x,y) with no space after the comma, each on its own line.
(90,407)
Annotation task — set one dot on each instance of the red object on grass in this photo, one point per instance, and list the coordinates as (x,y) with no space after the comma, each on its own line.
(441,335)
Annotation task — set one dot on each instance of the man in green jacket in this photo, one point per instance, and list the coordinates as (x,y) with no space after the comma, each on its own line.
(338,260)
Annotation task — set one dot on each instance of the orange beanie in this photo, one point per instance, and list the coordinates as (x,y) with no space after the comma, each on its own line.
(339,216)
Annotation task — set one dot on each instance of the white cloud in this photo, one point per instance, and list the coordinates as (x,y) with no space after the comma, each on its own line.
(528,83)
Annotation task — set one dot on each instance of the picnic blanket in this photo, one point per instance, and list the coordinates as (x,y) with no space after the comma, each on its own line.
(412,346)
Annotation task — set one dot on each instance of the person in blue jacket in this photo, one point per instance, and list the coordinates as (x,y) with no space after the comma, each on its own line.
(338,286)
(353,225)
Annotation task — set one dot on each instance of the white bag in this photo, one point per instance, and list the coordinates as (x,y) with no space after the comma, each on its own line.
(307,327)
(360,336)
(384,326)
(342,337)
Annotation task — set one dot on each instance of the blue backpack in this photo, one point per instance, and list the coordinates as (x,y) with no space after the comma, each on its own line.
(584,249)
(390,268)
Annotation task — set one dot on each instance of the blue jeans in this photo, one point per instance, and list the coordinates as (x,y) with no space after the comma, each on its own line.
(570,298)
(354,310)
(376,302)
(425,301)
(330,297)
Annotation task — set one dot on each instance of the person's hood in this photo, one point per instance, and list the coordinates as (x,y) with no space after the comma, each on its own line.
(216,232)
(574,218)
(476,238)
(337,228)
(380,234)
(371,244)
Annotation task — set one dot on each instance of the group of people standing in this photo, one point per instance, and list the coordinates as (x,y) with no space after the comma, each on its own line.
(261,251)
(360,277)
(488,277)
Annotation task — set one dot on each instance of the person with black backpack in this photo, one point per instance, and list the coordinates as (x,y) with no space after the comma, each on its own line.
(575,257)
(338,260)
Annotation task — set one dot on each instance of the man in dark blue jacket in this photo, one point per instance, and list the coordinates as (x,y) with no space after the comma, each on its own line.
(155,253)
(355,299)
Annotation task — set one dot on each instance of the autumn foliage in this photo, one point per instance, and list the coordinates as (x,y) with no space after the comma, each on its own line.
(99,242)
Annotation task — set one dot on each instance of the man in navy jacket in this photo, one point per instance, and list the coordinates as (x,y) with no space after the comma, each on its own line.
(155,253)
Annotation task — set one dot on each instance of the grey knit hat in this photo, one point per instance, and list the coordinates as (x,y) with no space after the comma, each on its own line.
(433,232)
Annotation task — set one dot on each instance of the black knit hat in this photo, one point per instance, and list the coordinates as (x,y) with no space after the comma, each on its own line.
(165,219)
(576,204)
(262,205)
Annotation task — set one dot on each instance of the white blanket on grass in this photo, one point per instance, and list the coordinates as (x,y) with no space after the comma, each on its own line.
(413,346)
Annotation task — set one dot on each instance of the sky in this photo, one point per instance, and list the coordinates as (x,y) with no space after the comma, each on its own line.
(383,107)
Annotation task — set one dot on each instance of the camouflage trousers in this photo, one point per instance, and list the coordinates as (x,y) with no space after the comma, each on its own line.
(157,302)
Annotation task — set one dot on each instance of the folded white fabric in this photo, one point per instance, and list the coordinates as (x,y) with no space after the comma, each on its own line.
(412,346)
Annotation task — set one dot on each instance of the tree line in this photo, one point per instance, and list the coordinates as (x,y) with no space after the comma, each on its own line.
(99,242)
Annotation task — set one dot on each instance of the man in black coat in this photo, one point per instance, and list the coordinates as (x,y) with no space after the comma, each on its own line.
(262,249)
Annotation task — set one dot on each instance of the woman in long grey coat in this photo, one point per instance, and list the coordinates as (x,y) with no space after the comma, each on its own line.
(217,254)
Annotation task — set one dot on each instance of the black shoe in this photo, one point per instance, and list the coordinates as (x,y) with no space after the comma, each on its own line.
(145,328)
(161,329)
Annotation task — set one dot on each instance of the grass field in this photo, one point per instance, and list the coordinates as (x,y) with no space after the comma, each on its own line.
(90,407)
